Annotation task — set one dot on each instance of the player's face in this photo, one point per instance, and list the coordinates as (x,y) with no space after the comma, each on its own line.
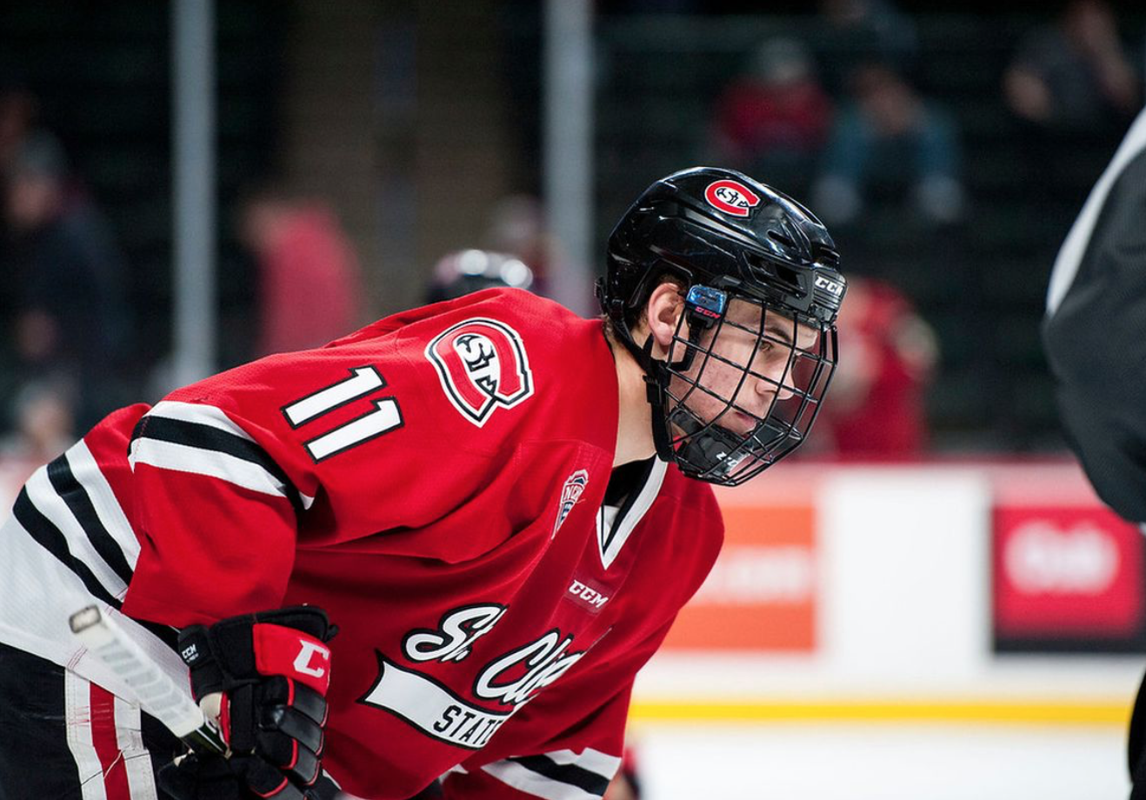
(749,367)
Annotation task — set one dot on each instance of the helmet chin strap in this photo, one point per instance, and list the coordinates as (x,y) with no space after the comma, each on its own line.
(656,374)
(656,385)
(657,377)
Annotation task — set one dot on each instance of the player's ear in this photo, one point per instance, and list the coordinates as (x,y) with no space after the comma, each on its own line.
(663,310)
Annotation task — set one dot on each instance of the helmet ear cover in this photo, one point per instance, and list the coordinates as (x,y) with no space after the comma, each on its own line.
(704,307)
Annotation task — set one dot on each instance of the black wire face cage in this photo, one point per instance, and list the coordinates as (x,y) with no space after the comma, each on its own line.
(741,390)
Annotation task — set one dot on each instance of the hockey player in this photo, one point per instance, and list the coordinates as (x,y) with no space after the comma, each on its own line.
(1093,335)
(500,505)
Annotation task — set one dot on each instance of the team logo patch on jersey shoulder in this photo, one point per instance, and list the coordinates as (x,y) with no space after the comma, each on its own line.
(482,365)
(570,493)
(731,197)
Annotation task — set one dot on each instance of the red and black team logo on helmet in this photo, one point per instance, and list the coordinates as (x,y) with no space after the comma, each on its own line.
(731,197)
(482,365)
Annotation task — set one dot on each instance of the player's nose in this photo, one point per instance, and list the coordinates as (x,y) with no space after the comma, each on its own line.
(773,379)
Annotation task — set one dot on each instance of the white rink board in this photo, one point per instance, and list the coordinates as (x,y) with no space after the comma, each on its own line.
(903,627)
(904,606)
(803,762)
(904,586)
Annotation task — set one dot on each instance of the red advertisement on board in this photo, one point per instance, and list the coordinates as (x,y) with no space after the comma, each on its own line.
(1066,572)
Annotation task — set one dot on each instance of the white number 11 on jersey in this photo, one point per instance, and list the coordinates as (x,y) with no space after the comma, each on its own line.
(385,417)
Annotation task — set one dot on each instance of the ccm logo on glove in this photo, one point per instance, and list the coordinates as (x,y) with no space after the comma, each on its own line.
(284,651)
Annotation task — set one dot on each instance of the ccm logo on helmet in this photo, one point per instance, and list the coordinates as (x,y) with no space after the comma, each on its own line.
(827,284)
(482,365)
(731,197)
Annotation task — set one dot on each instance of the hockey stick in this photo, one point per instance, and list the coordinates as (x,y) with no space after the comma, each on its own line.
(158,694)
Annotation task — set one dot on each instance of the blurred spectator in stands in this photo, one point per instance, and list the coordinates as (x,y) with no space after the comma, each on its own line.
(18,112)
(467,271)
(878,395)
(1074,75)
(650,6)
(854,32)
(43,425)
(889,140)
(517,227)
(71,321)
(772,120)
(17,118)
(309,283)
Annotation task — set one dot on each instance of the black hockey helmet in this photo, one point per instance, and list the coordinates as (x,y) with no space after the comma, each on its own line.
(725,238)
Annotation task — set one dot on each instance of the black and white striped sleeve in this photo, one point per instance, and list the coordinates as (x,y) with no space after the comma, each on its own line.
(201,439)
(68,510)
(217,510)
(69,544)
(558,775)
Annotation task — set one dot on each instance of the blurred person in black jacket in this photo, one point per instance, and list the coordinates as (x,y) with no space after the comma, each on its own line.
(890,141)
(1095,339)
(71,319)
(1073,74)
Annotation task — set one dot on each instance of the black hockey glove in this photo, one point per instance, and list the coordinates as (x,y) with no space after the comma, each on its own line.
(273,670)
(210,777)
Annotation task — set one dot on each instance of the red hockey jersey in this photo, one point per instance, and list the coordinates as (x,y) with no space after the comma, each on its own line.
(436,482)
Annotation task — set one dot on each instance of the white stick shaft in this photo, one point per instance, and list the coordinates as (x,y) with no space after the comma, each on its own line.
(157,693)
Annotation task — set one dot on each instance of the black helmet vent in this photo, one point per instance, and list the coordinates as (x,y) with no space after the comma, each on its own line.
(826,256)
(779,276)
(781,238)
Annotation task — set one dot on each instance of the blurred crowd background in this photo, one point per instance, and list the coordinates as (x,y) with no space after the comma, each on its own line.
(362,145)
